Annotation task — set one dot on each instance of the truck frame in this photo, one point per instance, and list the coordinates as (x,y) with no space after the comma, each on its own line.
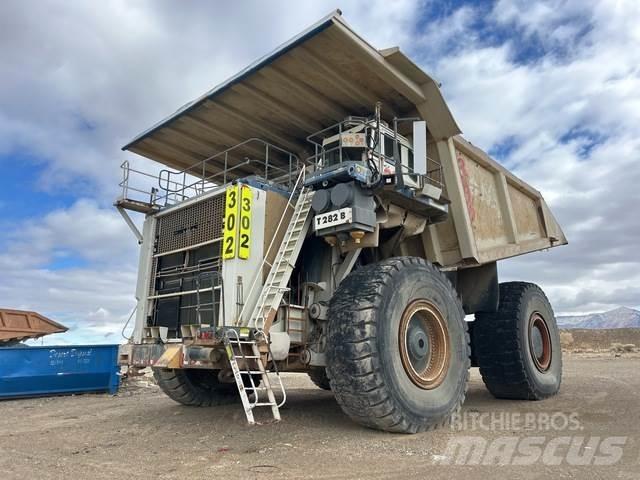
(320,212)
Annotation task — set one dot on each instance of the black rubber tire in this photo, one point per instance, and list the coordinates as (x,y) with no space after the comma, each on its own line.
(196,387)
(363,355)
(318,375)
(501,345)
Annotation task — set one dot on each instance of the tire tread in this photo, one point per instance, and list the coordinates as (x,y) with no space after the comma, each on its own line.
(498,346)
(355,376)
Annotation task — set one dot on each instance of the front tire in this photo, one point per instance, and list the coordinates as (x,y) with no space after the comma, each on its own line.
(518,347)
(318,376)
(398,349)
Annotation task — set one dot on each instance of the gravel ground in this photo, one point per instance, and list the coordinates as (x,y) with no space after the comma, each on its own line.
(140,433)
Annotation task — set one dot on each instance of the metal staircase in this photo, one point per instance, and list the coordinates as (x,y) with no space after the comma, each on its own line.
(266,308)
(276,283)
(252,366)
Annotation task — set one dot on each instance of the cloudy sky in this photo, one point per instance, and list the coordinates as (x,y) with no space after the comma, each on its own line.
(551,89)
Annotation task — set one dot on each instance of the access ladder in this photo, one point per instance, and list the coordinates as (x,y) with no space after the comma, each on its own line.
(252,366)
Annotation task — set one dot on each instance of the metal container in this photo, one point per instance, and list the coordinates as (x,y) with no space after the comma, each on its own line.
(19,325)
(42,371)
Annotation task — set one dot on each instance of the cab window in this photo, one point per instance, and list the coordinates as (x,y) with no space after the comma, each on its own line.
(388,146)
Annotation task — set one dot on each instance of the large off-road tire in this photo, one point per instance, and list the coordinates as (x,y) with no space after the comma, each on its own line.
(195,387)
(518,347)
(398,349)
(318,375)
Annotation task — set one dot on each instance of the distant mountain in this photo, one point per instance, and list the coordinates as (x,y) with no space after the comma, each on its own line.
(622,317)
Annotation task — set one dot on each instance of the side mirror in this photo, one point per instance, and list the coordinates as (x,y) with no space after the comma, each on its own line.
(420,147)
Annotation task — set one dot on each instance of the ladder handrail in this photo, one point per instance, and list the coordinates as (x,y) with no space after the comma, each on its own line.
(216,281)
(277,372)
(278,261)
(236,340)
(234,346)
(299,182)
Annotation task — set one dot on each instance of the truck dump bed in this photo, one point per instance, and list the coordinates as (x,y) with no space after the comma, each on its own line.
(18,325)
(494,214)
(320,77)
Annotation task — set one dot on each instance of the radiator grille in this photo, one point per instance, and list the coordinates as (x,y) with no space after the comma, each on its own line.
(197,223)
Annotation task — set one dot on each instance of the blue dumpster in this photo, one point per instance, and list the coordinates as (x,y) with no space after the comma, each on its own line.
(40,371)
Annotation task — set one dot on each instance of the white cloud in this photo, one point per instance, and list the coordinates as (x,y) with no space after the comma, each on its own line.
(77,87)
(94,294)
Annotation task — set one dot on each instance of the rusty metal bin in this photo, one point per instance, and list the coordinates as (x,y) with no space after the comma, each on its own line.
(41,371)
(19,325)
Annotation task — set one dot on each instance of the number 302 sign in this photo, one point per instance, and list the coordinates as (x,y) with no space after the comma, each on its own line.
(236,239)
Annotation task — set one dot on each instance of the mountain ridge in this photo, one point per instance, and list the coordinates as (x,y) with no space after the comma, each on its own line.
(621,317)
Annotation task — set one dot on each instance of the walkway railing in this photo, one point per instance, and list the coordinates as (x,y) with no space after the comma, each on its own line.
(169,187)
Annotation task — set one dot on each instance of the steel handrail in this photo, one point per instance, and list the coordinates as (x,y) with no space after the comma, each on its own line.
(174,191)
(278,259)
(202,163)
(299,182)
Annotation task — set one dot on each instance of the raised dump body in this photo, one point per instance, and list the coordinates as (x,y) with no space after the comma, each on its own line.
(19,325)
(317,208)
(494,214)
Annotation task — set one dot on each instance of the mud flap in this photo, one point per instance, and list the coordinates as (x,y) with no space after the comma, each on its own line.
(171,358)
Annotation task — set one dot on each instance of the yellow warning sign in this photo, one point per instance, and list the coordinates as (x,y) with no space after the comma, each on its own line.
(230,223)
(245,222)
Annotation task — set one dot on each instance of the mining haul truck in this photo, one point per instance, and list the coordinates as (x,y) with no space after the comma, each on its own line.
(319,212)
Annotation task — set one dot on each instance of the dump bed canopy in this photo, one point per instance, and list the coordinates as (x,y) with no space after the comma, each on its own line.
(314,80)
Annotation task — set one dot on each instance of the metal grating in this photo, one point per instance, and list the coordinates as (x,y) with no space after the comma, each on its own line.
(188,226)
(152,277)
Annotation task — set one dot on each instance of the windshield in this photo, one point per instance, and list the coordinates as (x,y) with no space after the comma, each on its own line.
(331,155)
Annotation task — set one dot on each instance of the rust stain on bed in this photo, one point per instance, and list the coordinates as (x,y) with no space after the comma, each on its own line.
(464,176)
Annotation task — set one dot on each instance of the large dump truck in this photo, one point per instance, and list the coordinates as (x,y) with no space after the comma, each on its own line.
(320,212)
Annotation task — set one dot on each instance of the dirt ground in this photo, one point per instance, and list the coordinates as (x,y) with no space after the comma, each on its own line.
(140,433)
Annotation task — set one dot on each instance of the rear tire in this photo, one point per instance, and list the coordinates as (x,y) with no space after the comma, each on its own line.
(398,349)
(518,347)
(195,387)
(318,375)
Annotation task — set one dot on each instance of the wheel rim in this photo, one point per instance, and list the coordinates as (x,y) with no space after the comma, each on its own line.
(424,344)
(539,342)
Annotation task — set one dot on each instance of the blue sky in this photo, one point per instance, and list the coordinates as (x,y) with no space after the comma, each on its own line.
(550,88)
